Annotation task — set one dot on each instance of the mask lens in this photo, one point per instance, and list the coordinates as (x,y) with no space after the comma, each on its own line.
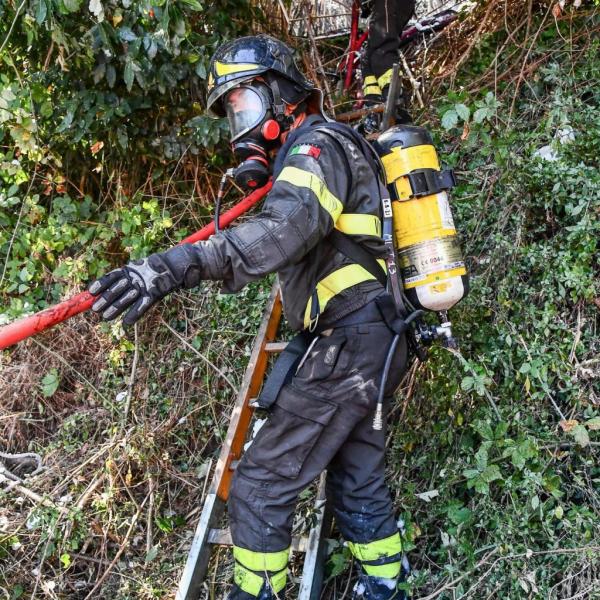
(244,109)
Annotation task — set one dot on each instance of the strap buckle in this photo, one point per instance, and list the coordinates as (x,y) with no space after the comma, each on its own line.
(426,182)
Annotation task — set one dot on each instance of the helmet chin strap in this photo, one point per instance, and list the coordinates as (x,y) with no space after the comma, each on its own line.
(279,106)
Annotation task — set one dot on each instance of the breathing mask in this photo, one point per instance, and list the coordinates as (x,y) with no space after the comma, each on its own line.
(254,132)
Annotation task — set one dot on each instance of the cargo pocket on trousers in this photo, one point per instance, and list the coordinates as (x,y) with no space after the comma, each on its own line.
(330,354)
(296,424)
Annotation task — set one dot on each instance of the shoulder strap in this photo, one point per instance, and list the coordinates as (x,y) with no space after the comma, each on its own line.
(342,242)
(349,133)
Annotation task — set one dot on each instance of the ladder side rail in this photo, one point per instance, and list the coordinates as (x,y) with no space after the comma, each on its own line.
(215,501)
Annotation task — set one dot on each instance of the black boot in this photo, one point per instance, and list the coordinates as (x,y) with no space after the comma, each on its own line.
(376,588)
(266,593)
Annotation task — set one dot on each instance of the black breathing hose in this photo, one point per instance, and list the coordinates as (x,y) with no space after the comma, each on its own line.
(378,418)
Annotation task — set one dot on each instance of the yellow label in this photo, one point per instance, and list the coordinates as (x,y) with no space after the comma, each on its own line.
(431,261)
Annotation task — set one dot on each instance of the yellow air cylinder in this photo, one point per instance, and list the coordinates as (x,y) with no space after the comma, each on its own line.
(431,263)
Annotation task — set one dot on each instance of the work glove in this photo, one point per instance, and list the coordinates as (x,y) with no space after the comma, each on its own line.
(141,283)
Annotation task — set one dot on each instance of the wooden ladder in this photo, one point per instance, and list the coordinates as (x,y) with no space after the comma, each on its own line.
(208,533)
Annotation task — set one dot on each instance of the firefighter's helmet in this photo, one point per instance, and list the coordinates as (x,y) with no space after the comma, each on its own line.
(249,57)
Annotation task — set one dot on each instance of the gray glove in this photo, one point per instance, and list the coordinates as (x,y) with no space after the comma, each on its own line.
(141,283)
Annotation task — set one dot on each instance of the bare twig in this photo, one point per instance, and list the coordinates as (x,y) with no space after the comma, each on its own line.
(120,551)
(200,355)
(132,375)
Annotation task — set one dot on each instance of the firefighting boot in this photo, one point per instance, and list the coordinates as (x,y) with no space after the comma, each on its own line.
(371,91)
(382,567)
(259,575)
(377,588)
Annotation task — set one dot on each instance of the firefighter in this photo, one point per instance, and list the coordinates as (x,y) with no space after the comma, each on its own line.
(388,19)
(324,405)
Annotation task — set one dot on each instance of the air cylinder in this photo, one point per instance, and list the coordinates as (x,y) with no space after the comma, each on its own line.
(429,255)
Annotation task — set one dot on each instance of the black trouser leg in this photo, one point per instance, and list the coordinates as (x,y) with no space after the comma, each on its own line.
(334,391)
(388,19)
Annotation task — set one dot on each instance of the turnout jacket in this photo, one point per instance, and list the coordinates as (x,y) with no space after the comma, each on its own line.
(321,182)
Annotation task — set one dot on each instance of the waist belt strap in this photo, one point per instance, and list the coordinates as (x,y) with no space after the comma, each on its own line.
(389,312)
(283,369)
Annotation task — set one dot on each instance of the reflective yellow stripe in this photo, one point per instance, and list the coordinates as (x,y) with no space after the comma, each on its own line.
(401,161)
(249,565)
(249,582)
(378,549)
(372,90)
(252,583)
(386,78)
(261,561)
(389,571)
(278,581)
(335,283)
(229,68)
(436,277)
(370,80)
(306,179)
(356,224)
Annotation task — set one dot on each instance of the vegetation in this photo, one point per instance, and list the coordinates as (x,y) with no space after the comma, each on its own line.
(105,153)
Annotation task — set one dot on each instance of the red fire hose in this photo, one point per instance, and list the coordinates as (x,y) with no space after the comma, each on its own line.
(23,328)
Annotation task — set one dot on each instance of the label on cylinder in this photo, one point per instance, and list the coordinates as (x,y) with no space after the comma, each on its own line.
(430,261)
(445,212)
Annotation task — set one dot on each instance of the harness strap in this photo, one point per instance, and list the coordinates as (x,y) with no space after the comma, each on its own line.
(356,253)
(389,313)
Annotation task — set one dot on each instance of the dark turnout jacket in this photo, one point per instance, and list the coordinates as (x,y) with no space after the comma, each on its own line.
(321,182)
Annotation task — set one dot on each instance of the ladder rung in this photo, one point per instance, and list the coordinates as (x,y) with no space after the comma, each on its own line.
(222,537)
(275,347)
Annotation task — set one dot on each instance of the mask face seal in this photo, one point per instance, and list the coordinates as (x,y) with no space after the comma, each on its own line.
(254,132)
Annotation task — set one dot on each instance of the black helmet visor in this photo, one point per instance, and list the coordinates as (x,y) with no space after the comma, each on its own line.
(245,109)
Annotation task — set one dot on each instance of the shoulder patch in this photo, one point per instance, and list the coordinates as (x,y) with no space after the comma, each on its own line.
(307,149)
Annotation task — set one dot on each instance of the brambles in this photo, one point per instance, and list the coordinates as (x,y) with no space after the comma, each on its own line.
(508,500)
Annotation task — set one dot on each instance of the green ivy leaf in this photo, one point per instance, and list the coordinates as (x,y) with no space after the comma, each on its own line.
(126,34)
(200,69)
(459,514)
(72,5)
(593,424)
(151,554)
(41,11)
(450,119)
(338,563)
(480,115)
(193,4)
(491,473)
(128,75)
(111,76)
(50,383)
(463,111)
(581,435)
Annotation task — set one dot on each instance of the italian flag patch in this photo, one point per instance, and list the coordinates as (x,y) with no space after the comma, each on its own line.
(307,149)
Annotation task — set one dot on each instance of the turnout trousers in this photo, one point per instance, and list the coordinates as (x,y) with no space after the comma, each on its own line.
(322,419)
(388,19)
